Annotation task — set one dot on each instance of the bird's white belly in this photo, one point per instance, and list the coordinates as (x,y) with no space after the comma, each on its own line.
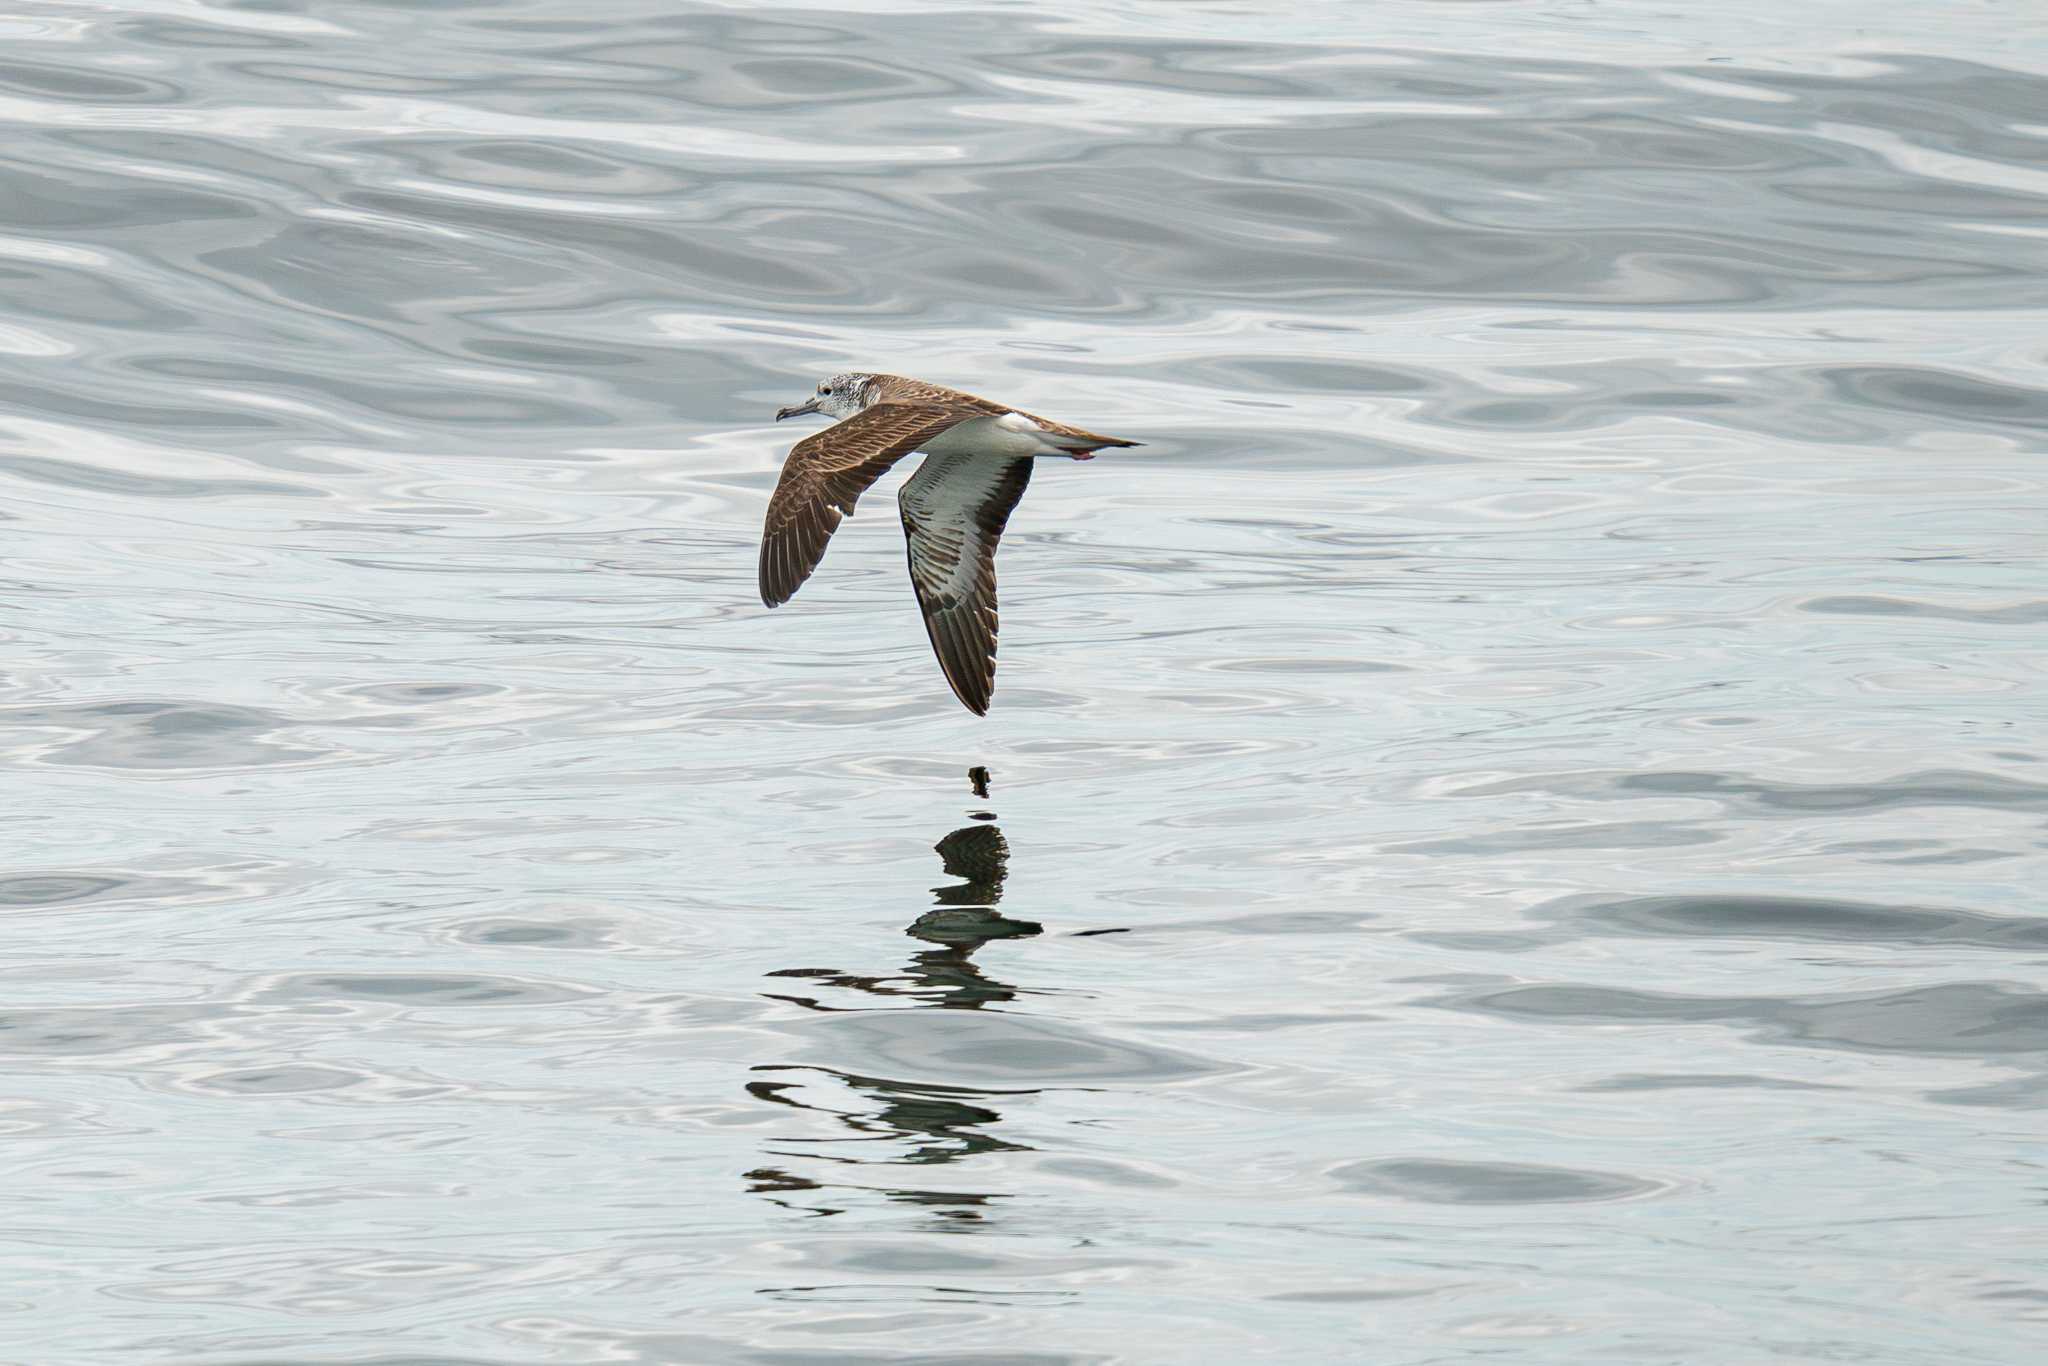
(1007,437)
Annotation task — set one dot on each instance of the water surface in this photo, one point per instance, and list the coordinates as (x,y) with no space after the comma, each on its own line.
(1516,819)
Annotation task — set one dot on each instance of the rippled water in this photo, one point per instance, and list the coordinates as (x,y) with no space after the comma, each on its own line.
(1517,818)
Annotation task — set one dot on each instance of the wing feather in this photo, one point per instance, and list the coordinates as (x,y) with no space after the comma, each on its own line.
(899,389)
(824,477)
(954,511)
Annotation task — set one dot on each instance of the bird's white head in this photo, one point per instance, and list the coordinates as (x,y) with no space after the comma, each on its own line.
(839,396)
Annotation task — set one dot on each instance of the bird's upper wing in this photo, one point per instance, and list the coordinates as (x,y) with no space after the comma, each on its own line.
(826,474)
(954,510)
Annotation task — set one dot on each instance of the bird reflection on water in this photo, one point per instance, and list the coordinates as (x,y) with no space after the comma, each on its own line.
(964,920)
(924,1123)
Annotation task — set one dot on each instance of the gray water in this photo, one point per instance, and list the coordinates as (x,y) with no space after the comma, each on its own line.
(1517,818)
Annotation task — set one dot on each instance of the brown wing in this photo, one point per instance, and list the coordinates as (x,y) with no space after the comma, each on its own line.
(825,476)
(902,389)
(954,510)
(899,389)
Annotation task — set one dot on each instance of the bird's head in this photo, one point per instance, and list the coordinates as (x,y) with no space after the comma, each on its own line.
(839,396)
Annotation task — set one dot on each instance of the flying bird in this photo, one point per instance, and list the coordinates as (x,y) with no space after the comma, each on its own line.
(978,458)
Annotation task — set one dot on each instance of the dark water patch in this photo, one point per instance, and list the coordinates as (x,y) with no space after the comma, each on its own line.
(1941,203)
(160,736)
(1585,835)
(95,408)
(1082,220)
(989,1049)
(276,1081)
(1307,666)
(86,87)
(1308,375)
(57,292)
(105,1032)
(408,1359)
(722,262)
(1370,236)
(689,1349)
(170,33)
(1701,1081)
(1268,923)
(533,168)
(813,79)
(1295,203)
(90,890)
(1957,1019)
(336,75)
(1224,448)
(1361,1295)
(1940,393)
(1967,108)
(523,934)
(384,397)
(1096,1171)
(731,65)
(532,934)
(386,274)
(1934,787)
(1442,1182)
(746,31)
(883,1256)
(1780,401)
(214,160)
(2032,613)
(1606,405)
(57,889)
(69,474)
(84,203)
(422,989)
(1177,64)
(1928,787)
(425,694)
(993,276)
(1260,1022)
(1810,919)
(551,356)
(1953,857)
(1484,941)
(2018,1093)
(1700,243)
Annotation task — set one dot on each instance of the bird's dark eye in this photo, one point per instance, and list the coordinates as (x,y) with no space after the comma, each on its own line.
(824,388)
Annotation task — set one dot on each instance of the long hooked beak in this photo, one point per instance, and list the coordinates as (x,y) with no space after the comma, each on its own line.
(807,406)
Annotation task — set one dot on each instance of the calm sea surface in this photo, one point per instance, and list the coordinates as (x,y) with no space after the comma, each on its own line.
(1519,818)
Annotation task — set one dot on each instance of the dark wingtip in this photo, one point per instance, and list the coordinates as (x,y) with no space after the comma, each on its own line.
(974,699)
(774,576)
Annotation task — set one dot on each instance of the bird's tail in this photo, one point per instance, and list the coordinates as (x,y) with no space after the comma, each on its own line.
(1083,445)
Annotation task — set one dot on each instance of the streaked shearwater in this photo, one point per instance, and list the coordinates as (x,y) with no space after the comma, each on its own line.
(978,458)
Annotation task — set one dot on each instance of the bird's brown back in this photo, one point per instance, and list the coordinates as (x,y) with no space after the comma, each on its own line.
(902,389)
